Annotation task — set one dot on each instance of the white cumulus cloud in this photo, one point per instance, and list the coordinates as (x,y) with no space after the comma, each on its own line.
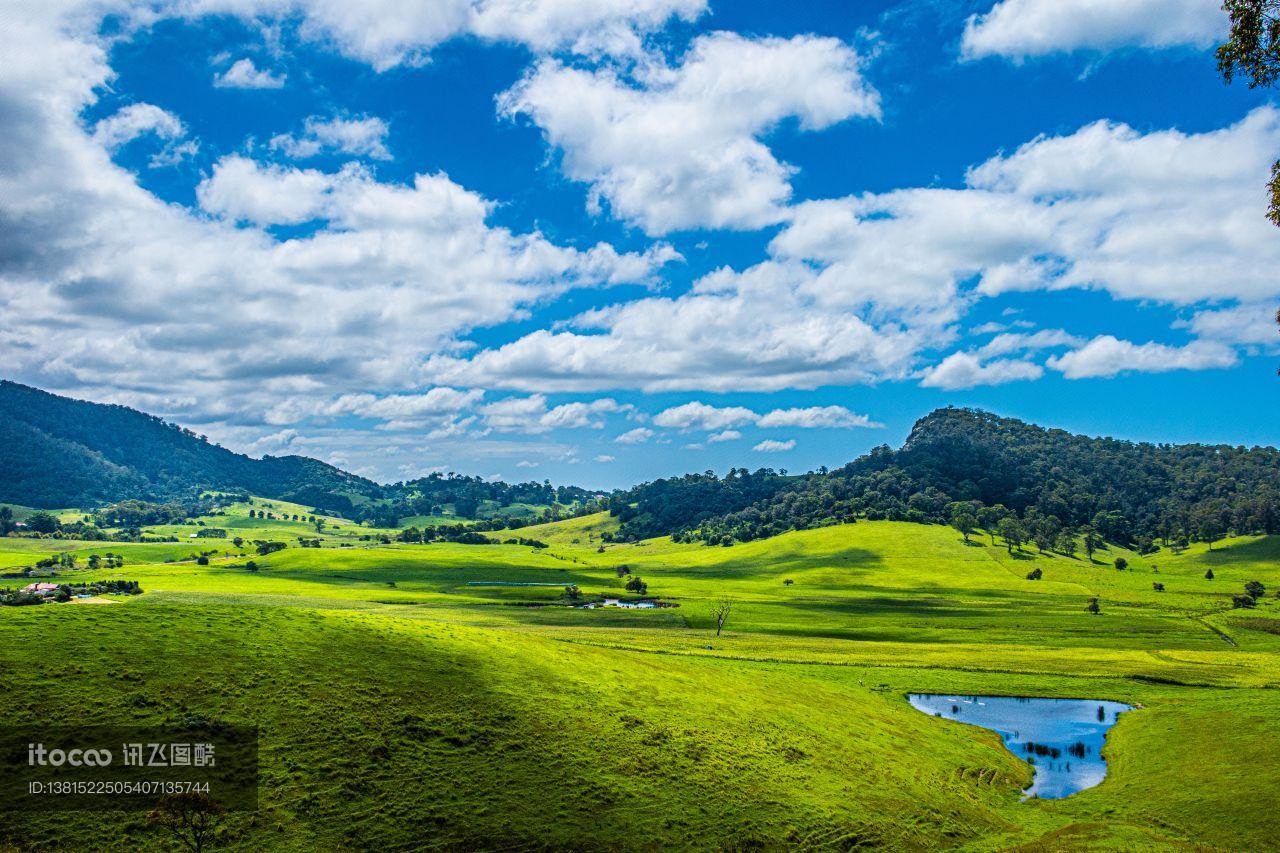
(966,370)
(1019,29)
(387,33)
(816,417)
(679,148)
(697,415)
(243,74)
(365,136)
(773,446)
(531,415)
(1108,356)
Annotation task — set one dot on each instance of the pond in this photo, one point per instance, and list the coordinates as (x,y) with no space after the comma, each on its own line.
(625,605)
(1061,738)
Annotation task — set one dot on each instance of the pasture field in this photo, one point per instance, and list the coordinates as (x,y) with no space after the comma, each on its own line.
(404,704)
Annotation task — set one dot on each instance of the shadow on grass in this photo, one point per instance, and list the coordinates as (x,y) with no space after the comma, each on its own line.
(790,559)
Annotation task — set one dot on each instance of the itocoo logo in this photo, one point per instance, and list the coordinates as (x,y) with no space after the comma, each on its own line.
(38,756)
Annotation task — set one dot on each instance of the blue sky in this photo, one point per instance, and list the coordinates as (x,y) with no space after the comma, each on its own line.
(599,242)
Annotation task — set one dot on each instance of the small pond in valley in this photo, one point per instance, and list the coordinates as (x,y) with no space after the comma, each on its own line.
(1061,738)
(644,604)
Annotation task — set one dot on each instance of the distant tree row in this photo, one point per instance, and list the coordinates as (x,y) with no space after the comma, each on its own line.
(467,496)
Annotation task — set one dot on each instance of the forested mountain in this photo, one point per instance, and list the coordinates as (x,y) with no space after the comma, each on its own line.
(56,451)
(1050,480)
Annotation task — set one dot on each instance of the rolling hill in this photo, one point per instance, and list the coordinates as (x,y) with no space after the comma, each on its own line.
(56,451)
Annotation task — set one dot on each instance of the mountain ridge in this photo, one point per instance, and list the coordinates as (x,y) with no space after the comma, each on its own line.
(60,451)
(57,451)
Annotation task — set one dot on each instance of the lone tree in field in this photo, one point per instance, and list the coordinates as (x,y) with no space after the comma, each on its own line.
(1121,564)
(965,522)
(1208,575)
(190,818)
(722,610)
(1094,607)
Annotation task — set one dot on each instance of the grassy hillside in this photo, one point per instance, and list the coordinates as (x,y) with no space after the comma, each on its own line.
(403,706)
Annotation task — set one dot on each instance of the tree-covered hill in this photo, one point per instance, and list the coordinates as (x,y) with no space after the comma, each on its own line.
(1051,480)
(56,451)
(475,498)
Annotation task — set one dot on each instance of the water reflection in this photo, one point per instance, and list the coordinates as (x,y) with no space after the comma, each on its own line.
(1061,738)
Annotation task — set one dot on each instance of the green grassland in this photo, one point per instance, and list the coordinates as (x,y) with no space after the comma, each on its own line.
(406,705)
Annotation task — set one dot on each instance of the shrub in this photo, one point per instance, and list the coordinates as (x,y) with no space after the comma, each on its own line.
(1121,564)
(1035,575)
(1208,575)
(202,560)
(638,586)
(1157,586)
(1239,601)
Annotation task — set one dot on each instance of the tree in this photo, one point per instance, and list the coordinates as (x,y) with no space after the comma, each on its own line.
(190,818)
(1035,575)
(1091,542)
(1157,586)
(1094,607)
(1208,575)
(636,585)
(1065,544)
(1121,564)
(1208,522)
(1255,590)
(722,610)
(6,521)
(989,517)
(1012,532)
(965,522)
(43,522)
(1253,50)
